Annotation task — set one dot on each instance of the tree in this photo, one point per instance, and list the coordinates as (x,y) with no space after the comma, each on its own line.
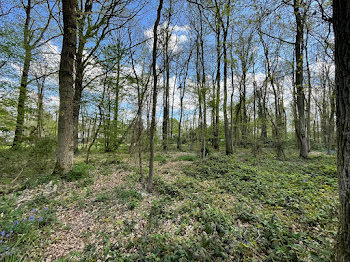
(90,27)
(225,27)
(154,96)
(182,95)
(299,60)
(166,41)
(64,162)
(341,25)
(31,40)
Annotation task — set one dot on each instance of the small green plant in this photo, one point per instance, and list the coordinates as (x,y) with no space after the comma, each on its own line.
(79,171)
(15,234)
(187,158)
(160,158)
(103,197)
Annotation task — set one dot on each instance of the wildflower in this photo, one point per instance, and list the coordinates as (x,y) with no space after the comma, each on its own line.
(45,208)
(8,248)
(31,218)
(16,222)
(0,241)
(11,232)
(8,253)
(41,219)
(3,233)
(34,210)
(7,235)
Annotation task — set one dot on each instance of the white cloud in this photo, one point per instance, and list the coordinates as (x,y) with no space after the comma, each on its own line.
(177,38)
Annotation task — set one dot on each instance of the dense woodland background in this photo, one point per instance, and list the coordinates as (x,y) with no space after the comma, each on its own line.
(230,73)
(216,118)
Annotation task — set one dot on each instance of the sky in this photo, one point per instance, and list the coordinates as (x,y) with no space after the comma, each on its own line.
(141,27)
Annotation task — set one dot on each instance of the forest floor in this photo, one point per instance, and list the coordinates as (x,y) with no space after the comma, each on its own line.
(236,208)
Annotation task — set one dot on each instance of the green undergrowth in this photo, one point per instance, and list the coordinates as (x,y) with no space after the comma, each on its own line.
(226,208)
(28,213)
(24,227)
(241,208)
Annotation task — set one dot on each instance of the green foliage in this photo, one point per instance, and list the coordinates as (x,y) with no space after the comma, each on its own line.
(244,209)
(187,158)
(128,196)
(21,168)
(160,158)
(79,171)
(166,188)
(44,146)
(226,208)
(22,225)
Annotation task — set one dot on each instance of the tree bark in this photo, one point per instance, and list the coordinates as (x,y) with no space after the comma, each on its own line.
(18,138)
(154,98)
(40,113)
(165,128)
(182,95)
(299,46)
(218,78)
(308,105)
(228,138)
(341,24)
(65,149)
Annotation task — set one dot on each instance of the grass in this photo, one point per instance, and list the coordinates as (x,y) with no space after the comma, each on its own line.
(227,208)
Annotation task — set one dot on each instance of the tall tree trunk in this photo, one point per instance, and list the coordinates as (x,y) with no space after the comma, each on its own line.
(228,138)
(116,107)
(331,121)
(167,82)
(204,87)
(40,112)
(172,109)
(76,101)
(200,103)
(65,149)
(218,78)
(18,138)
(341,24)
(244,107)
(182,95)
(308,105)
(79,71)
(154,98)
(213,109)
(299,46)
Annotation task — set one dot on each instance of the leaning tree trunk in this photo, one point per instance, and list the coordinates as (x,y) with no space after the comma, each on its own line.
(64,163)
(341,24)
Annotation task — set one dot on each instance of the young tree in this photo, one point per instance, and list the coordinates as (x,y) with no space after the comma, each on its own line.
(341,25)
(64,162)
